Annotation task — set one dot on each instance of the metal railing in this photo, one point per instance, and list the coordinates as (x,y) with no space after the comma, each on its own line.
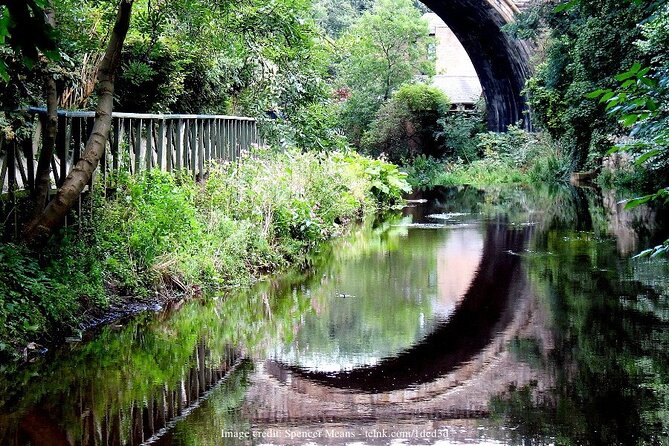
(137,142)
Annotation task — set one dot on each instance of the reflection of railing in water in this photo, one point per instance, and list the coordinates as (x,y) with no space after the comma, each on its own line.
(132,424)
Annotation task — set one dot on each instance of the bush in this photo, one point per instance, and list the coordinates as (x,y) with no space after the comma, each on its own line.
(533,154)
(458,133)
(159,229)
(512,157)
(406,125)
(312,126)
(423,170)
(150,79)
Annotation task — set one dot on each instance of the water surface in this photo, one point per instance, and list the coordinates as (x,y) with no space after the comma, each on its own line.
(511,316)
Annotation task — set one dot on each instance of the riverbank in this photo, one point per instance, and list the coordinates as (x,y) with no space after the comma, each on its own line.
(158,235)
(492,159)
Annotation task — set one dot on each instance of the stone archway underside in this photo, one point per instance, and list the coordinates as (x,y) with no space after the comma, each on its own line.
(501,62)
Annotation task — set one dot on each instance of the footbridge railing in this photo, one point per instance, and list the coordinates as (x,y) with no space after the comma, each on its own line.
(137,142)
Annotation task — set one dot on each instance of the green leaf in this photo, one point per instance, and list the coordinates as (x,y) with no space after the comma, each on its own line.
(648,155)
(634,202)
(595,94)
(52,55)
(624,76)
(566,6)
(630,120)
(606,97)
(615,149)
(648,82)
(4,75)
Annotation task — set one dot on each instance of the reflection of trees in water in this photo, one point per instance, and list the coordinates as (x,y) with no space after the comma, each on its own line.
(372,301)
(128,384)
(485,311)
(561,206)
(611,356)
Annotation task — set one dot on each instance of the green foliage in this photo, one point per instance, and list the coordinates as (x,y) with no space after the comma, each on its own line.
(527,24)
(313,126)
(336,16)
(483,172)
(639,103)
(160,229)
(458,133)
(423,170)
(192,56)
(512,157)
(385,48)
(406,125)
(388,183)
(150,79)
(46,297)
(24,30)
(591,41)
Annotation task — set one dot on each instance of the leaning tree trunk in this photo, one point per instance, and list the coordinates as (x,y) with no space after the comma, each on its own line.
(43,175)
(43,226)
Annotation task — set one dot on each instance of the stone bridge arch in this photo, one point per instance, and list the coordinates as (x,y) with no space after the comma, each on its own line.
(501,62)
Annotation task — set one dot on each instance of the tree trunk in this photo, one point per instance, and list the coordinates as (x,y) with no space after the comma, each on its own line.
(42,227)
(43,175)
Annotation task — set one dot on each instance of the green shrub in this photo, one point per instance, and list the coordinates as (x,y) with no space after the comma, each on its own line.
(512,157)
(483,172)
(423,170)
(406,125)
(458,133)
(47,295)
(533,154)
(158,228)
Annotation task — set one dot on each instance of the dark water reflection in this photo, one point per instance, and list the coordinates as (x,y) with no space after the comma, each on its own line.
(509,316)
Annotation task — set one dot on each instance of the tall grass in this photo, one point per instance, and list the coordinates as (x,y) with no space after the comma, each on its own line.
(503,158)
(164,232)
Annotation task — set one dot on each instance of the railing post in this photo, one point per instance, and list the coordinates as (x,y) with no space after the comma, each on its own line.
(207,142)
(116,143)
(168,146)
(226,139)
(65,154)
(200,147)
(149,144)
(193,147)
(179,144)
(138,146)
(221,138)
(76,133)
(161,143)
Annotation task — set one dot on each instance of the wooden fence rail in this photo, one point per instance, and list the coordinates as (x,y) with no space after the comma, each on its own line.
(137,142)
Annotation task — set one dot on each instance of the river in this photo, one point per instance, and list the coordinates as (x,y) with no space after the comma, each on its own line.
(505,316)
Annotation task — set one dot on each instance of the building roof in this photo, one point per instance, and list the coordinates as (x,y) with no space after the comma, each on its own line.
(459,89)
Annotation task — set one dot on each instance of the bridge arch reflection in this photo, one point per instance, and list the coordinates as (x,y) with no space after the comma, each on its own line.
(486,310)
